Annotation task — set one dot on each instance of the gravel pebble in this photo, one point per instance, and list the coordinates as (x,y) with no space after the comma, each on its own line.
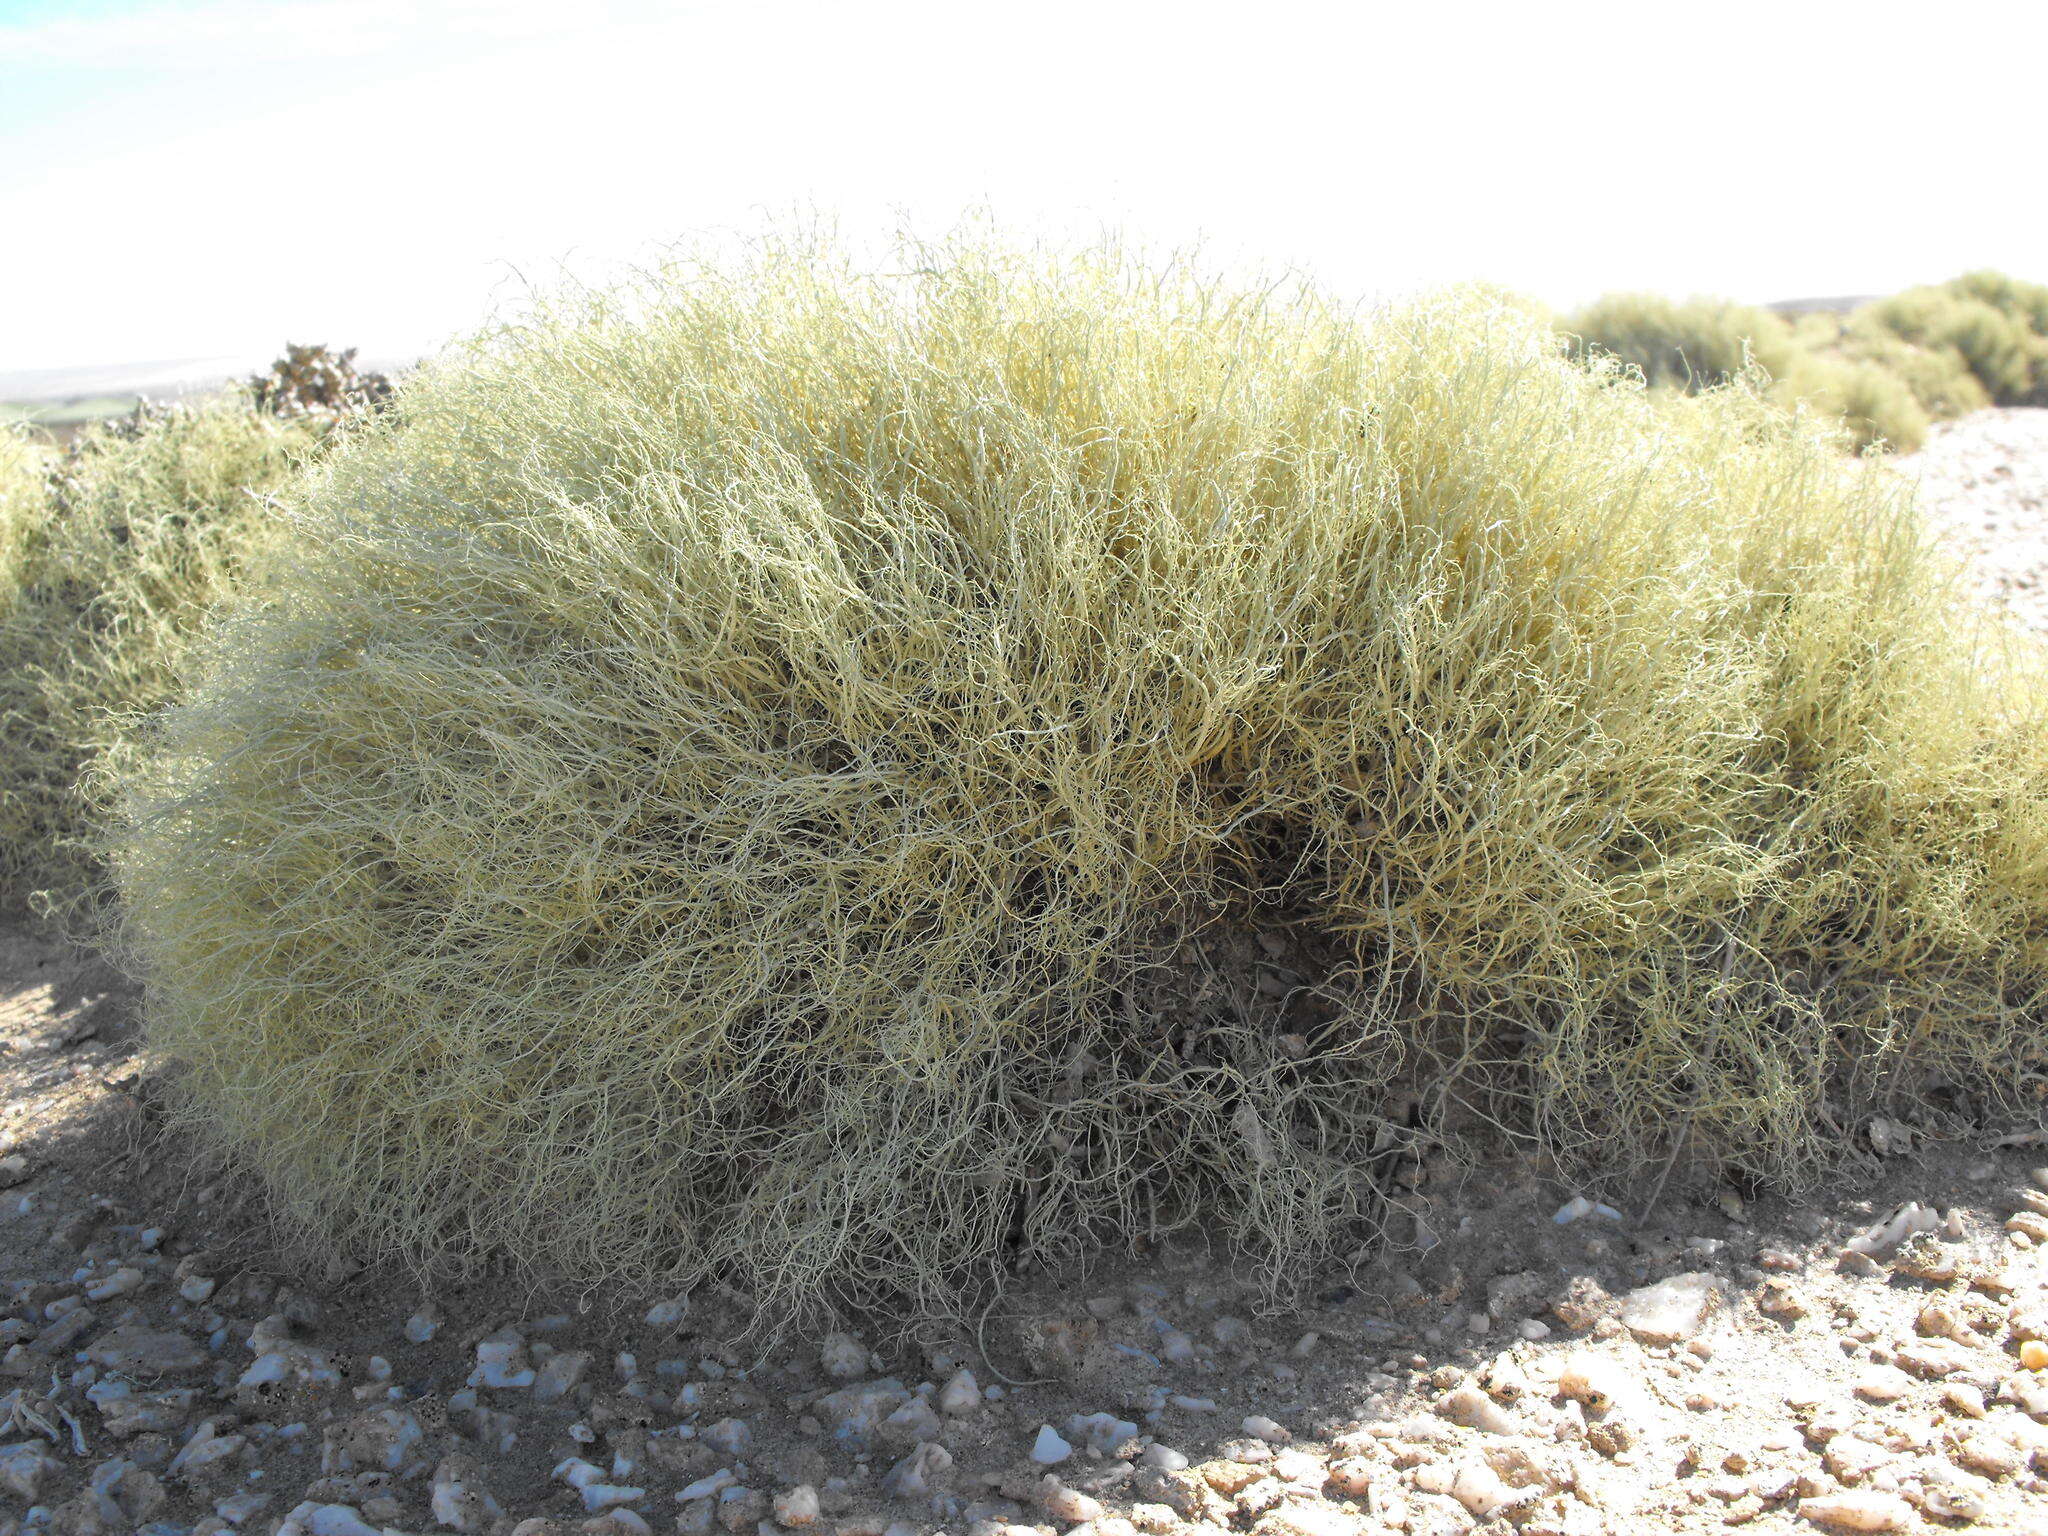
(1050,1448)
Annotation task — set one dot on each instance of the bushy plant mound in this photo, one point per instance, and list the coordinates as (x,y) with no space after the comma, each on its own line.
(1885,372)
(1696,345)
(1940,382)
(111,551)
(22,499)
(1871,404)
(1991,325)
(1693,344)
(765,775)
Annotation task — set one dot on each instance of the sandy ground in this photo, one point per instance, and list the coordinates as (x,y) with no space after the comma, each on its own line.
(1871,1356)
(1984,482)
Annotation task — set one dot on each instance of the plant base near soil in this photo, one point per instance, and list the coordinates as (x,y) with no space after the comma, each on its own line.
(833,782)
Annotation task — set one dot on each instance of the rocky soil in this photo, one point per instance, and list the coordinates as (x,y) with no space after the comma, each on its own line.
(1533,1358)
(1984,482)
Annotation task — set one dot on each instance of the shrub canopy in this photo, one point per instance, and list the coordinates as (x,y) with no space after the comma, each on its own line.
(1885,372)
(22,494)
(1940,381)
(777,773)
(110,552)
(1693,344)
(1999,350)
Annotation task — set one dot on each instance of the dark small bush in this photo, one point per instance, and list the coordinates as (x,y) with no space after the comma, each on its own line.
(313,381)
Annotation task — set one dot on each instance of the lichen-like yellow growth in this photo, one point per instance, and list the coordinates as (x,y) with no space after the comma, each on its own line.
(22,498)
(110,553)
(742,776)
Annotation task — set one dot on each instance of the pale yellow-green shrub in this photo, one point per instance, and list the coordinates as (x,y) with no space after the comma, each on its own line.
(1885,372)
(22,493)
(1873,405)
(1695,345)
(772,773)
(115,546)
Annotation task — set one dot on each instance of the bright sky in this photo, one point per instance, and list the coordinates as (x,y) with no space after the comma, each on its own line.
(196,177)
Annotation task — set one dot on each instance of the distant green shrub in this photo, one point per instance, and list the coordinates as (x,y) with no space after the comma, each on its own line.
(2026,303)
(1887,371)
(1690,344)
(113,549)
(1939,378)
(2007,357)
(1695,345)
(1874,405)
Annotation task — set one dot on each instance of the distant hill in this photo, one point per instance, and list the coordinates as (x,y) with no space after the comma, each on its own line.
(163,379)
